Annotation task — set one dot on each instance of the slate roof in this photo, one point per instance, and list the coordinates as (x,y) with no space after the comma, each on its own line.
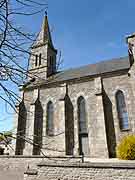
(90,70)
(94,69)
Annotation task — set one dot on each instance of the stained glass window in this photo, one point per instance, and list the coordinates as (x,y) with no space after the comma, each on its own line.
(82,115)
(50,119)
(122,110)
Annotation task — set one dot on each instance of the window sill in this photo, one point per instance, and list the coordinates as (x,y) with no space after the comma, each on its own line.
(50,135)
(123,130)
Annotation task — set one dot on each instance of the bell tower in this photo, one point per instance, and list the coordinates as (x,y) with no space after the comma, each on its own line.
(42,63)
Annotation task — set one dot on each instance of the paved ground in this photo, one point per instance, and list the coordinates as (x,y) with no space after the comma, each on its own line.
(11,175)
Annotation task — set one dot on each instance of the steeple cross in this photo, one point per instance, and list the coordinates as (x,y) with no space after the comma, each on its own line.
(46,13)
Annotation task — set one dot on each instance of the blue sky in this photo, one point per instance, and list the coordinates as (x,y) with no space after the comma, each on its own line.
(84,31)
(90,31)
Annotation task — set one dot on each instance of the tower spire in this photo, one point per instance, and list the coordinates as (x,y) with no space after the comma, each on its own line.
(44,36)
(43,53)
(47,33)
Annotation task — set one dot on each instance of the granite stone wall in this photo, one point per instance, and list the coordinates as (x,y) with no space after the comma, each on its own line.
(85,171)
(102,118)
(64,168)
(111,85)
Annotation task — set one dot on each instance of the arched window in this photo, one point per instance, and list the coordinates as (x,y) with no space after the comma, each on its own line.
(36,60)
(40,59)
(50,119)
(122,110)
(83,129)
(82,115)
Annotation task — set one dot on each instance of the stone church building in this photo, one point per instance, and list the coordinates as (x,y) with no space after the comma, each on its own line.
(82,111)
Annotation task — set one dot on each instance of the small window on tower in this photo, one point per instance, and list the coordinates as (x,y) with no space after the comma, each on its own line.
(36,60)
(40,59)
(50,61)
(51,64)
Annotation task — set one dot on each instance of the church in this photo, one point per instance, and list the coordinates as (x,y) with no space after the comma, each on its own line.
(82,111)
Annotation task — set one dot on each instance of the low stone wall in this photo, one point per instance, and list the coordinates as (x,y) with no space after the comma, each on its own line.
(13,167)
(64,168)
(69,170)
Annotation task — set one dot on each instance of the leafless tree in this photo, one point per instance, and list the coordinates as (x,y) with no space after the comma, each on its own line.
(15,42)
